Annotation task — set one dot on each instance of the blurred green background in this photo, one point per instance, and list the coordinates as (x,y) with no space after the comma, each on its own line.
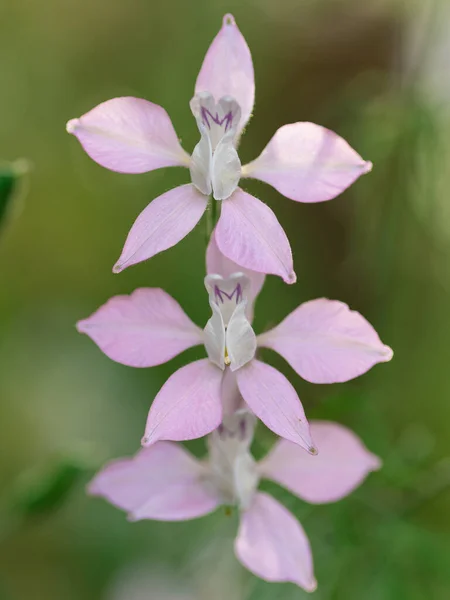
(378,73)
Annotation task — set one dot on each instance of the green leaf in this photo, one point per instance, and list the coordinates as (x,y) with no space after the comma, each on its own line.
(39,493)
(10,175)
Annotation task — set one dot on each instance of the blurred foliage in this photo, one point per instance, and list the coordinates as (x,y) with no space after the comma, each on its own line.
(42,491)
(7,184)
(370,71)
(9,181)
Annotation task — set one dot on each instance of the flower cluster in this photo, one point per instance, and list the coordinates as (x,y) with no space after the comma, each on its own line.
(223,395)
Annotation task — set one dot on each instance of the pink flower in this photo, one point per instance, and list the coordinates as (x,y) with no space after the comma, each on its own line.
(166,483)
(323,340)
(303,161)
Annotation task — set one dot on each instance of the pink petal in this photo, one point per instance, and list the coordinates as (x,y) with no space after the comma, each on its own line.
(227,69)
(214,336)
(165,221)
(218,264)
(307,163)
(163,482)
(249,234)
(326,342)
(342,464)
(201,161)
(129,135)
(188,405)
(273,400)
(272,544)
(144,329)
(241,339)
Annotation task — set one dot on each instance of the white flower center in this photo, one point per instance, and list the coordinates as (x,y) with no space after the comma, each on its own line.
(228,336)
(232,469)
(215,165)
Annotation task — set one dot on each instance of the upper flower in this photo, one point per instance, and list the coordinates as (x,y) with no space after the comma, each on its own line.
(303,161)
(323,340)
(166,483)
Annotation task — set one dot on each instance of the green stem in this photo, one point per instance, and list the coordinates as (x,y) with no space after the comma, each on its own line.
(211,218)
(214,212)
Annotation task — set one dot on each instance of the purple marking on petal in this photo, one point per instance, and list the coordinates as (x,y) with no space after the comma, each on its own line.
(220,293)
(227,119)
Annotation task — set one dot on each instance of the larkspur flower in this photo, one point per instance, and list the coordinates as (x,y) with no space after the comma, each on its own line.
(166,483)
(303,161)
(323,340)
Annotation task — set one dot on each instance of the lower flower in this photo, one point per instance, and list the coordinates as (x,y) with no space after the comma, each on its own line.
(164,482)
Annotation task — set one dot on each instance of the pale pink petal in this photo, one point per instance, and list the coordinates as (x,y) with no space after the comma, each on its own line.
(307,163)
(326,342)
(188,405)
(342,464)
(226,168)
(144,329)
(220,119)
(227,69)
(129,135)
(163,482)
(241,339)
(273,400)
(272,544)
(201,160)
(217,263)
(227,293)
(214,337)
(165,221)
(249,234)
